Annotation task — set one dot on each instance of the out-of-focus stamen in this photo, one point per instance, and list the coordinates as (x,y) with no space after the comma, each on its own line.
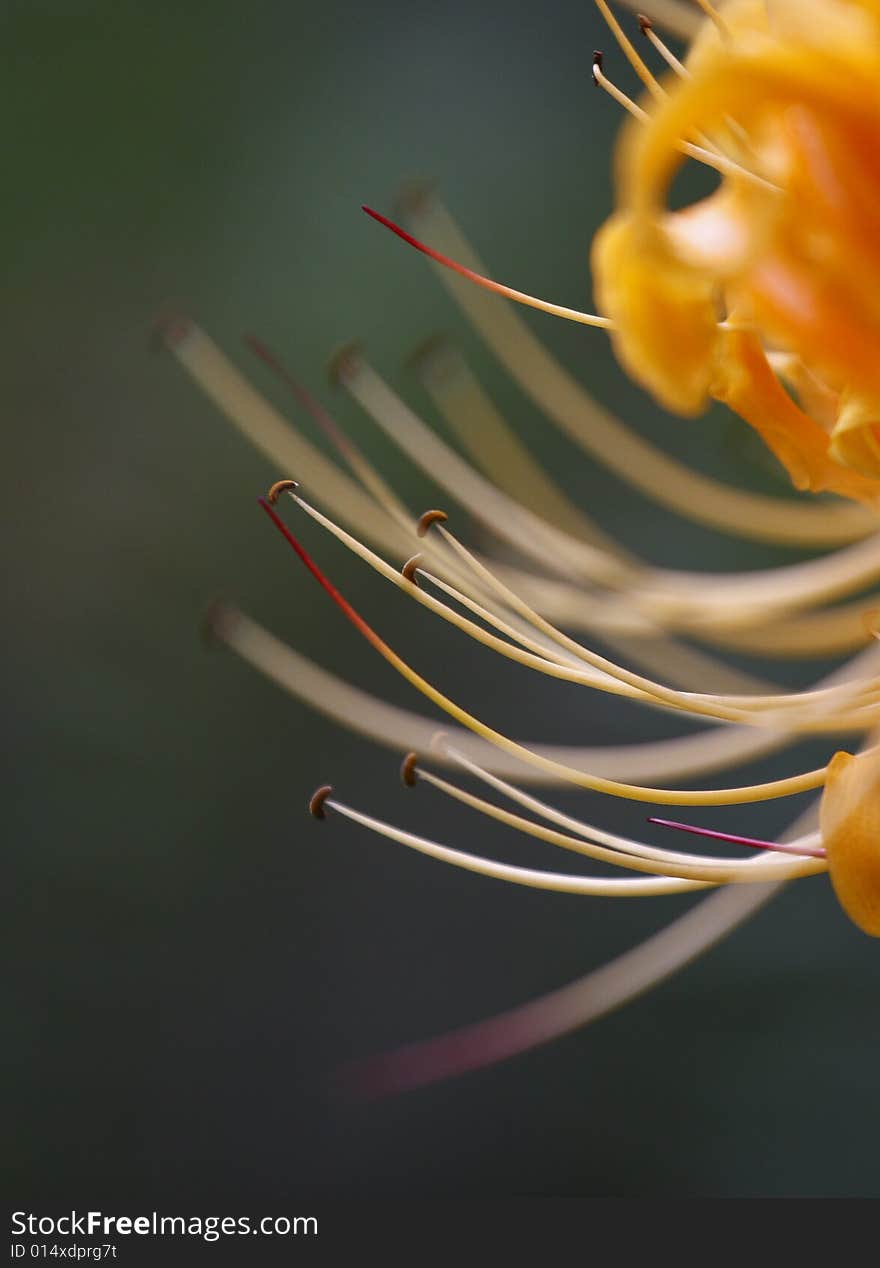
(486,436)
(819,709)
(630,52)
(410,568)
(604,437)
(662,796)
(280,441)
(712,13)
(646,26)
(710,157)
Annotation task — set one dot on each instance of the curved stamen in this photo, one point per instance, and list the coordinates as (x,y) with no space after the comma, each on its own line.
(712,13)
(817,705)
(675,16)
(519,297)
(816,852)
(485,435)
(531,878)
(601,80)
(571,408)
(698,601)
(646,26)
(566,1009)
(630,52)
(662,796)
(602,663)
(274,436)
(709,157)
(494,447)
(689,756)
(635,856)
(589,831)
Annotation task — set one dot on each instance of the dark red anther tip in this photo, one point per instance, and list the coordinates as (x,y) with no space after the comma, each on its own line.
(316,802)
(218,619)
(169,328)
(279,487)
(429,518)
(343,362)
(408,772)
(410,568)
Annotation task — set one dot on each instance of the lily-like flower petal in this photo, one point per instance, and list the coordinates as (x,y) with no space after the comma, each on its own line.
(850,826)
(786,92)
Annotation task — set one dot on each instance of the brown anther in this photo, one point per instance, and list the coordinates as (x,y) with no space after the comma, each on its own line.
(408,773)
(410,568)
(598,61)
(169,328)
(319,796)
(645,24)
(279,487)
(217,621)
(414,198)
(425,352)
(343,362)
(429,518)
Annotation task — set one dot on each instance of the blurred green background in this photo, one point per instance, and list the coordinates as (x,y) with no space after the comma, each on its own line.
(193,956)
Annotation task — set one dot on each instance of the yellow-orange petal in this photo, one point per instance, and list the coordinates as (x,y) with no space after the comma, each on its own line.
(745,381)
(664,310)
(850,824)
(854,439)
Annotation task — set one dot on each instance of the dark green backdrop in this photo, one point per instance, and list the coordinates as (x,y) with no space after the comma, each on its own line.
(193,957)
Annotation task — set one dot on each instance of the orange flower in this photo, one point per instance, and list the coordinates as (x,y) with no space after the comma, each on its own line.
(773,281)
(764,295)
(850,825)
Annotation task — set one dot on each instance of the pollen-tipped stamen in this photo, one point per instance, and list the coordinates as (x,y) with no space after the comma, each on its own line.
(630,52)
(279,487)
(706,154)
(817,705)
(318,800)
(636,857)
(646,26)
(518,605)
(531,878)
(683,757)
(722,796)
(568,404)
(408,772)
(428,518)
